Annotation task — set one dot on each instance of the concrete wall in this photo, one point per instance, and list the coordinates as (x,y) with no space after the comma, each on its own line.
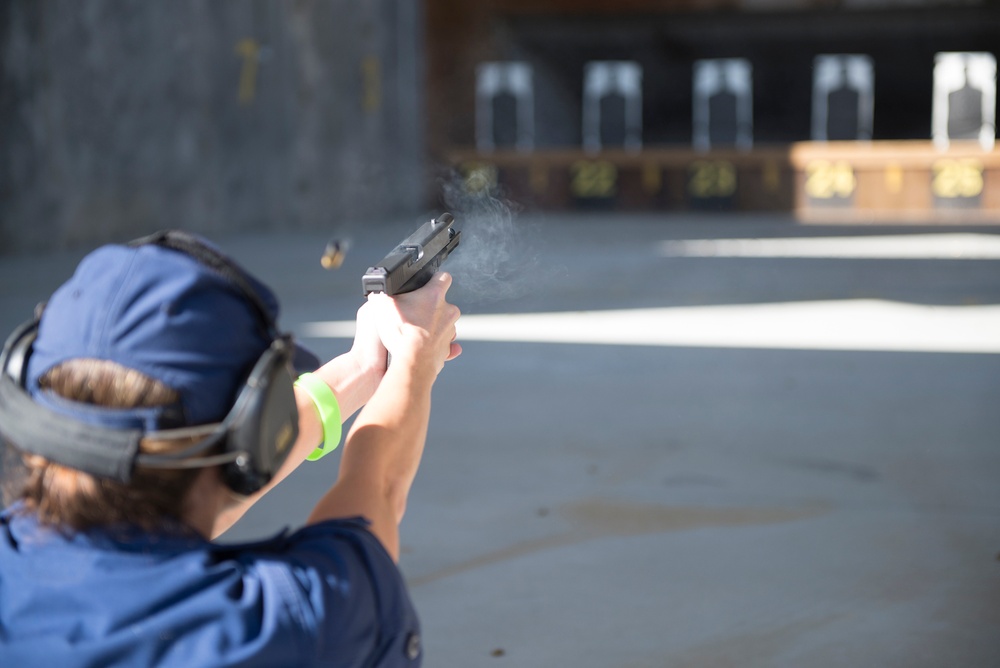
(119,117)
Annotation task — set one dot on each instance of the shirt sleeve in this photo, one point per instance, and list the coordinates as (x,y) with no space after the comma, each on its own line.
(340,597)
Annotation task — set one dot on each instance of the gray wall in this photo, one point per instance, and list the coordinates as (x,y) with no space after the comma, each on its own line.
(119,117)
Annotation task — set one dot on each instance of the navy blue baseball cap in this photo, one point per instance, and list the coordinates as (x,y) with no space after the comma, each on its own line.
(181,313)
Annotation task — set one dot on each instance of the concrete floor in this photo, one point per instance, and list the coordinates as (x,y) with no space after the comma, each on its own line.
(600,505)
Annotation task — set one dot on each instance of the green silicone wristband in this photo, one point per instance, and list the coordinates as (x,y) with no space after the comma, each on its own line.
(328,409)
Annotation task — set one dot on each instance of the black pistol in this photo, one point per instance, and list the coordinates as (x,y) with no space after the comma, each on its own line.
(412,263)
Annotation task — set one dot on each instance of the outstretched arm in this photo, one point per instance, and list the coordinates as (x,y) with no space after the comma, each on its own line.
(383,449)
(353,377)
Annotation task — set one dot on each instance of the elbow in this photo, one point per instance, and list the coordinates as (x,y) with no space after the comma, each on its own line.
(400,510)
(396,496)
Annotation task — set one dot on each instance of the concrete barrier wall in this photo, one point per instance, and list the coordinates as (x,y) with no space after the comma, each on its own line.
(119,117)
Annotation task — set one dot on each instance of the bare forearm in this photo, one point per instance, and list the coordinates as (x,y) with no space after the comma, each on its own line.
(383,450)
(382,454)
(352,385)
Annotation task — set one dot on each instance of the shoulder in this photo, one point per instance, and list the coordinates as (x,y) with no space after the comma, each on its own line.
(341,556)
(328,593)
(333,544)
(334,582)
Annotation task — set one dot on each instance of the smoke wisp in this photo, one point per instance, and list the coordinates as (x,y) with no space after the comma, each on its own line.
(495,260)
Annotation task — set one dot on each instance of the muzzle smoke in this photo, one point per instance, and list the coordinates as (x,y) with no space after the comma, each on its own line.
(494,260)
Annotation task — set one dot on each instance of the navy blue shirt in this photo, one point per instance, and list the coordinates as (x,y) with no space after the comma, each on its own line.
(326,595)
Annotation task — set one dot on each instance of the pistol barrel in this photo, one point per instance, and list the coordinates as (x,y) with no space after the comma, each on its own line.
(412,263)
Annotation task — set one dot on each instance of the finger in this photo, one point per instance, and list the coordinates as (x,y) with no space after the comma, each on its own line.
(444,278)
(455,351)
(453,314)
(377,297)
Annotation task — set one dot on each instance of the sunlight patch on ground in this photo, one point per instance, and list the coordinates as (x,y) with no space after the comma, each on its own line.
(914,246)
(864,324)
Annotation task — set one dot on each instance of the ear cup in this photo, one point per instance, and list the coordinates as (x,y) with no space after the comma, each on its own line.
(263,423)
(14,358)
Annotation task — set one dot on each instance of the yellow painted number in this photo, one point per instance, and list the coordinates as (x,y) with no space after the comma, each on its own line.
(712,178)
(597,178)
(371,77)
(652,179)
(957,178)
(480,177)
(826,179)
(249,50)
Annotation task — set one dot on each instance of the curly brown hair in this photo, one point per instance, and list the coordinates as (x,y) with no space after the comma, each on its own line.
(70,499)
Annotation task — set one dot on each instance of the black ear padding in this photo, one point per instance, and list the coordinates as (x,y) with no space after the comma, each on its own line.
(263,423)
(254,438)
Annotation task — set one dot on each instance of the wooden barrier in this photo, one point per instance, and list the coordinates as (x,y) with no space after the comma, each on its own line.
(825,182)
(896,181)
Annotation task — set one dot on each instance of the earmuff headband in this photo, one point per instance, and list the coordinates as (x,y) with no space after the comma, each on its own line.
(103,452)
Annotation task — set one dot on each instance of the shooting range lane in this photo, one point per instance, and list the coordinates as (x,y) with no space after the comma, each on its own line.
(819,325)
(761,496)
(718,442)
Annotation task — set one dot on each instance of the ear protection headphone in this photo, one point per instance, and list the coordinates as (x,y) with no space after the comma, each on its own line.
(250,443)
